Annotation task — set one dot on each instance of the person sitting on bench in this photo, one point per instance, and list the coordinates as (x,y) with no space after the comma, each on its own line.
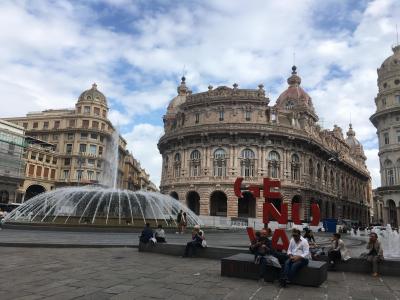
(375,254)
(196,242)
(254,243)
(299,254)
(338,250)
(160,234)
(147,234)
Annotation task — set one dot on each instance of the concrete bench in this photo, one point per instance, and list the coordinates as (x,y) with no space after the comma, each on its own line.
(178,250)
(242,265)
(358,265)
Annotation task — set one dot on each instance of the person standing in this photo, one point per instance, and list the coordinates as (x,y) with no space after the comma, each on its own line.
(184,222)
(375,252)
(338,250)
(179,221)
(299,255)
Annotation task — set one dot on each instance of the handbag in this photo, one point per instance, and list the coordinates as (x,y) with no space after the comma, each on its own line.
(204,243)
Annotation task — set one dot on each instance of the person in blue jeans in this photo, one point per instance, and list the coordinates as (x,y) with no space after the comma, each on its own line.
(299,254)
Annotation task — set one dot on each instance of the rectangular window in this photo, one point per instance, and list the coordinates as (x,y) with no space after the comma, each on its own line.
(67,161)
(221,115)
(96,111)
(91,162)
(54,161)
(99,163)
(101,138)
(53,174)
(82,148)
(55,137)
(79,110)
(25,125)
(66,174)
(197,118)
(46,172)
(11,148)
(104,113)
(38,171)
(383,102)
(100,150)
(398,136)
(45,125)
(56,124)
(68,148)
(93,136)
(70,136)
(93,149)
(398,99)
(248,115)
(84,136)
(31,170)
(47,159)
(85,124)
(33,156)
(103,126)
(79,174)
(90,175)
(86,110)
(71,123)
(95,124)
(45,137)
(80,161)
(40,157)
(386,138)
(35,124)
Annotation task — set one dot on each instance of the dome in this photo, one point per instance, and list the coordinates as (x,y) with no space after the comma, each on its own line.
(392,62)
(351,138)
(94,95)
(180,98)
(294,96)
(94,205)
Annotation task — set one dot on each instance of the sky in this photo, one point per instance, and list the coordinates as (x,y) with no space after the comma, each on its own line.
(136,52)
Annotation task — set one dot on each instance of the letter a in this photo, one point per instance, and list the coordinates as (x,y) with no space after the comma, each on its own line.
(280,234)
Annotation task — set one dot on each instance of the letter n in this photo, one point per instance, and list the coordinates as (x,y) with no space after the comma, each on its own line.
(270,209)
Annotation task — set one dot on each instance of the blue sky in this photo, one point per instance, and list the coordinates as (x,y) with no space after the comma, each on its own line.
(136,52)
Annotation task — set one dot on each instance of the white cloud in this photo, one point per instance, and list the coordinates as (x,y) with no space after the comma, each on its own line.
(54,50)
(142,142)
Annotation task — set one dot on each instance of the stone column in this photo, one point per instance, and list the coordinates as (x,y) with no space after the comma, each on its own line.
(232,205)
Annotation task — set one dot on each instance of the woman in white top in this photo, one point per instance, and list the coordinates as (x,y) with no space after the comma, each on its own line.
(160,234)
(338,250)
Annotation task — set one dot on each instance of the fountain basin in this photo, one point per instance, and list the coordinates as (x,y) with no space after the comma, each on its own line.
(97,206)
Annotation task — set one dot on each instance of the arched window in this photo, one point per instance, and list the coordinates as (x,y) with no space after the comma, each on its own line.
(166,165)
(311,169)
(195,163)
(177,165)
(295,167)
(247,163)
(289,104)
(219,162)
(273,164)
(389,170)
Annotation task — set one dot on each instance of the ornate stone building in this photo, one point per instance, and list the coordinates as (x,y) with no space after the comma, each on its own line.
(213,137)
(386,119)
(68,147)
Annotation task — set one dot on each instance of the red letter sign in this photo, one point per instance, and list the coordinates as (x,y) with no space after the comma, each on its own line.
(270,209)
(280,234)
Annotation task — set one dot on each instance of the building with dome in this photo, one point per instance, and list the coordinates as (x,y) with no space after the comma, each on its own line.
(213,137)
(386,119)
(70,147)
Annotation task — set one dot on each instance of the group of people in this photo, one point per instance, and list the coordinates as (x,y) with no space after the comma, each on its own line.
(304,248)
(150,236)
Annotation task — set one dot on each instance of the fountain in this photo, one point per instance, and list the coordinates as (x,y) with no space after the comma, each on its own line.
(110,166)
(94,205)
(389,238)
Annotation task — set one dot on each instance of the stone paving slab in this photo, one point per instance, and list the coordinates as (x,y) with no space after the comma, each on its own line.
(123,273)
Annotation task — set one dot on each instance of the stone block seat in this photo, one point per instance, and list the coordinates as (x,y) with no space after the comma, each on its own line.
(242,265)
(388,267)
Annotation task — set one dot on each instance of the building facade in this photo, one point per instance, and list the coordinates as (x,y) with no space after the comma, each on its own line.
(386,119)
(12,144)
(71,147)
(213,137)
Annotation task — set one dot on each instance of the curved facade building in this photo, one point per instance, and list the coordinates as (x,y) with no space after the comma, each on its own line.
(386,119)
(213,137)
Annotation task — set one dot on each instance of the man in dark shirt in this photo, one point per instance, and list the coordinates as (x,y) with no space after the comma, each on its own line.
(147,234)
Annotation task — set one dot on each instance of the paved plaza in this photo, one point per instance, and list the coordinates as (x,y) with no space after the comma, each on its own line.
(124,273)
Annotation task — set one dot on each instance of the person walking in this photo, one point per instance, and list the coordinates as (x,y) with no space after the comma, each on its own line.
(179,221)
(299,255)
(338,250)
(375,252)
